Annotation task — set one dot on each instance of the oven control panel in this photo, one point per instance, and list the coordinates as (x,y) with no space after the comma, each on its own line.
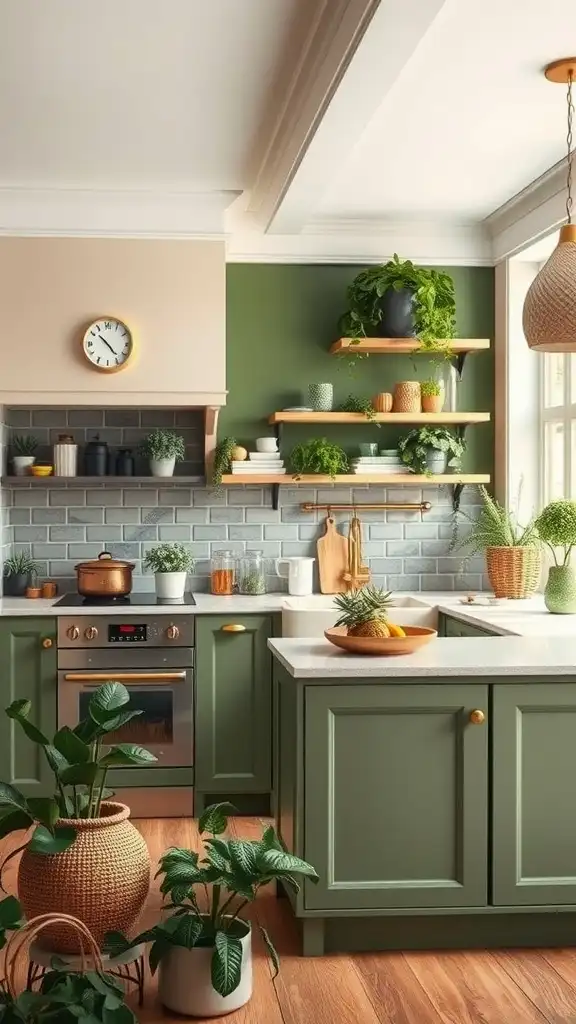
(117,630)
(128,633)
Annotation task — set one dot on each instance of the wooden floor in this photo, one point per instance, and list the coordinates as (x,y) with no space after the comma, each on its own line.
(518,987)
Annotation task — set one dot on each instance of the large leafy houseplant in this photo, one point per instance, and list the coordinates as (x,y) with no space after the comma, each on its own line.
(415,448)
(434,308)
(64,996)
(236,870)
(80,761)
(319,456)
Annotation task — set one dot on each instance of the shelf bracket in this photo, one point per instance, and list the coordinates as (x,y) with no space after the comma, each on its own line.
(275,496)
(456,496)
(277,427)
(458,361)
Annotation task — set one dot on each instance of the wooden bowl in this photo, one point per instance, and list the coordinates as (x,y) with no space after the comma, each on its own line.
(416,637)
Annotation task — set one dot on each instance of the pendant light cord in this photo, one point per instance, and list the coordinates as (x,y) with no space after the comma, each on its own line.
(569,145)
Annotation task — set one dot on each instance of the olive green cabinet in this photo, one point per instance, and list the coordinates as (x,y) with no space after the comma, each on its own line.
(395,795)
(28,665)
(233,727)
(534,824)
(449,626)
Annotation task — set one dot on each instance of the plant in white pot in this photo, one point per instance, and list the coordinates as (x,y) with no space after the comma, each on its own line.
(24,456)
(164,448)
(205,955)
(170,564)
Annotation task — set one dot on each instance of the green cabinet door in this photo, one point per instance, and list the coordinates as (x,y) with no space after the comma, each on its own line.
(233,727)
(534,827)
(395,796)
(449,626)
(28,666)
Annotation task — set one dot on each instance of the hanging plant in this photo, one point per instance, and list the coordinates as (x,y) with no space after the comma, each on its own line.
(222,459)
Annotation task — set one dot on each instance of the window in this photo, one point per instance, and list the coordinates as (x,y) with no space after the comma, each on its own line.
(558,426)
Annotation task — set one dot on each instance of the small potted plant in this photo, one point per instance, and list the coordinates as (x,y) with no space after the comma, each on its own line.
(556,527)
(319,456)
(170,564)
(513,552)
(205,957)
(24,454)
(79,819)
(431,395)
(19,570)
(429,450)
(164,448)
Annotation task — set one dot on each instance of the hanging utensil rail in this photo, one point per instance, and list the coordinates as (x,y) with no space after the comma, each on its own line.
(404,506)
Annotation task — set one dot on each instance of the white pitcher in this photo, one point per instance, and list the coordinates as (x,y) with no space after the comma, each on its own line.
(300,574)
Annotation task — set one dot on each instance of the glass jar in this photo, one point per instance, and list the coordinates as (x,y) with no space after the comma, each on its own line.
(251,575)
(222,573)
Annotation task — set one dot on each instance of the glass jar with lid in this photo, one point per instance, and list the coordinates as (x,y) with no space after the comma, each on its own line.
(222,573)
(251,574)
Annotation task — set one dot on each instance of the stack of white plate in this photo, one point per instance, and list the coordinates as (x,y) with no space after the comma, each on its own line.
(389,462)
(260,463)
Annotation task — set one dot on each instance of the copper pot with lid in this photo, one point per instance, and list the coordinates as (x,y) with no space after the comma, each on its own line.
(105,576)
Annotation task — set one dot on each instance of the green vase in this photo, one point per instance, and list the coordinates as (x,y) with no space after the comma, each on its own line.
(560,592)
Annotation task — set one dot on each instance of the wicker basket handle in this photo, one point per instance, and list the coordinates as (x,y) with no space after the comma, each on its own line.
(26,935)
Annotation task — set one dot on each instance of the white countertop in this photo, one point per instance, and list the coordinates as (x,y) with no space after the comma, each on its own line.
(206,604)
(445,658)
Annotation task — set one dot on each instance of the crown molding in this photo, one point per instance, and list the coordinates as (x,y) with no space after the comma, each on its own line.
(532,214)
(113,213)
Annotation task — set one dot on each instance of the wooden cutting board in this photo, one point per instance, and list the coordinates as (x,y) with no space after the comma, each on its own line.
(332,559)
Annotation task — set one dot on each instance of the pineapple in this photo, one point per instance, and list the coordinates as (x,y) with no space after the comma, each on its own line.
(364,611)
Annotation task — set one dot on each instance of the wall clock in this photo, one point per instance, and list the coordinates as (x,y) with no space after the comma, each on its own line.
(108,344)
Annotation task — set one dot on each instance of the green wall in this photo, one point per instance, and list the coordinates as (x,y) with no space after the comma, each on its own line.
(281,320)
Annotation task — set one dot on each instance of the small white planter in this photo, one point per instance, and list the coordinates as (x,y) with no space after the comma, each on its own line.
(22,464)
(185,983)
(162,467)
(170,586)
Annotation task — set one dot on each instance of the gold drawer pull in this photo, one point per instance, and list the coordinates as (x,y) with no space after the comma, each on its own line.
(233,627)
(477,717)
(47,642)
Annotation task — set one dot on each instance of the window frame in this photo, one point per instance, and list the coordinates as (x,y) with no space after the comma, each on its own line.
(564,413)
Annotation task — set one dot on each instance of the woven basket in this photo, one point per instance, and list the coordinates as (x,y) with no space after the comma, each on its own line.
(514,572)
(549,315)
(24,937)
(102,879)
(407,396)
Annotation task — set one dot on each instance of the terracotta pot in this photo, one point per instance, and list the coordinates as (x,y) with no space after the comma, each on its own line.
(407,396)
(104,577)
(102,879)
(383,402)
(432,403)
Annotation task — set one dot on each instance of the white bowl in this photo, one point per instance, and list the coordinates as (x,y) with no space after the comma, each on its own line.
(266,444)
(264,456)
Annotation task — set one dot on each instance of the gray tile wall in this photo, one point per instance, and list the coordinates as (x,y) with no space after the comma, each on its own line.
(62,524)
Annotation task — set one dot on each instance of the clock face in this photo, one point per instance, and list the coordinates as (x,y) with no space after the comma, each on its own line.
(108,344)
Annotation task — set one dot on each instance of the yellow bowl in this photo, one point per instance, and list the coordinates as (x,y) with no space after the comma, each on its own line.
(41,470)
(416,636)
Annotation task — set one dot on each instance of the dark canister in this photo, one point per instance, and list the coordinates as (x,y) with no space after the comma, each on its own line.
(125,462)
(96,457)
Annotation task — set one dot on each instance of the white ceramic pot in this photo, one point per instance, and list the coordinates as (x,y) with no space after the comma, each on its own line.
(170,586)
(266,444)
(65,459)
(185,984)
(162,467)
(22,464)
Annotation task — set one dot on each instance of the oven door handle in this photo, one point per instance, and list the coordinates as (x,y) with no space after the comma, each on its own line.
(124,677)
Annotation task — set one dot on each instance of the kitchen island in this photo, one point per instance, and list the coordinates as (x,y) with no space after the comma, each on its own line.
(433,792)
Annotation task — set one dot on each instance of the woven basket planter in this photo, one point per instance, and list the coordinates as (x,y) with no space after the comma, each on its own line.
(514,572)
(103,879)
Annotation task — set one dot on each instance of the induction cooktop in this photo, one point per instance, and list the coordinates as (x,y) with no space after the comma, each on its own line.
(130,601)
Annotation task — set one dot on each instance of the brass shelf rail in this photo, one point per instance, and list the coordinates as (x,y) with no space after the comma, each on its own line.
(400,506)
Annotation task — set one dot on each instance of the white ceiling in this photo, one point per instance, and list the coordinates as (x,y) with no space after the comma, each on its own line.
(470,119)
(137,94)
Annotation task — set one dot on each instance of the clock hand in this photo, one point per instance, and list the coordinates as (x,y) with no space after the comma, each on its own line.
(109,346)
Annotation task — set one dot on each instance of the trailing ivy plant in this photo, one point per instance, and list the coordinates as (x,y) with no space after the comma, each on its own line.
(434,308)
(319,456)
(236,870)
(361,405)
(80,762)
(222,459)
(419,442)
(64,996)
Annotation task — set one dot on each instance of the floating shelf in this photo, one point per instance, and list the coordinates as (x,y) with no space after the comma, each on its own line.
(96,481)
(381,417)
(391,480)
(399,346)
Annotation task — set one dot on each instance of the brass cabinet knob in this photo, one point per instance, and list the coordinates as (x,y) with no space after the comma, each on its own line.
(91,633)
(73,633)
(47,642)
(477,717)
(172,632)
(232,627)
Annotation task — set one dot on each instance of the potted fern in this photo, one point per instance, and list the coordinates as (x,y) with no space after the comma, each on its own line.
(204,955)
(19,570)
(24,448)
(513,552)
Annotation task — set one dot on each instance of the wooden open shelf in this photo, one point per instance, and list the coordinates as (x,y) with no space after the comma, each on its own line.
(98,481)
(381,417)
(391,480)
(399,346)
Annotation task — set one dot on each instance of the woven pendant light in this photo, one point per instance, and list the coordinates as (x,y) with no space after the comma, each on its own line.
(549,315)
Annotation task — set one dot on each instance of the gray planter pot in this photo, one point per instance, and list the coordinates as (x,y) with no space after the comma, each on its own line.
(436,462)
